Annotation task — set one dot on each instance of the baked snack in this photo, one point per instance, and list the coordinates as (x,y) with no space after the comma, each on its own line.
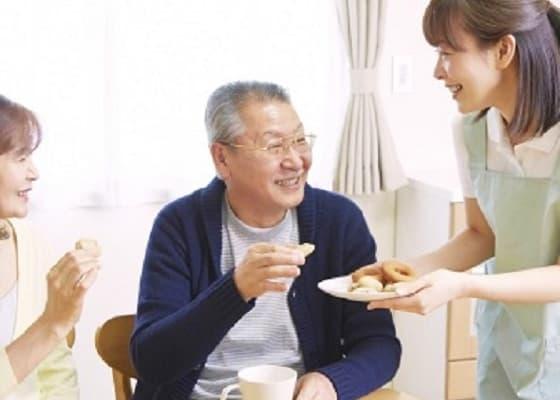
(383,278)
(396,271)
(377,273)
(88,244)
(367,283)
(306,248)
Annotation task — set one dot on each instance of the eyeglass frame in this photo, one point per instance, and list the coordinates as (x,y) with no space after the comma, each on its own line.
(287,143)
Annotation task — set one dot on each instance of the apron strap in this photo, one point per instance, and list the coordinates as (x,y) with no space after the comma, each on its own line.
(474,131)
(556,172)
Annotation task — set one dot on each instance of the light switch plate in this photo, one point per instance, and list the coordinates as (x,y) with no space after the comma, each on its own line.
(402,74)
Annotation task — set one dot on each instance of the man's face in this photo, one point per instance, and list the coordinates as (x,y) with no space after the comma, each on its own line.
(260,182)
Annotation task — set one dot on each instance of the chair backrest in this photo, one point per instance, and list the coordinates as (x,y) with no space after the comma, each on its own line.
(111,342)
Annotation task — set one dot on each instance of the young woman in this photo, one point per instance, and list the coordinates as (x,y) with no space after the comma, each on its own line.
(500,60)
(37,310)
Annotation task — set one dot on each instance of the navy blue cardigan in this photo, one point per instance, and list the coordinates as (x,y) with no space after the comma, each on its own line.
(186,305)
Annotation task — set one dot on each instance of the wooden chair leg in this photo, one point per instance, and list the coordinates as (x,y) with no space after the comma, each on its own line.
(123,389)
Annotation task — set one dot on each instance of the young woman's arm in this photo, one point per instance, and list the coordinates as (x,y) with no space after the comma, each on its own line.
(472,246)
(442,278)
(534,285)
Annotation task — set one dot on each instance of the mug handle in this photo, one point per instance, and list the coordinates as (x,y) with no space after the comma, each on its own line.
(228,389)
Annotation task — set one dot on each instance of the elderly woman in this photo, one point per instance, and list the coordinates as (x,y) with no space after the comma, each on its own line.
(38,307)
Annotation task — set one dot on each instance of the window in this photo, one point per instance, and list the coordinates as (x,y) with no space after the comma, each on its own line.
(121,86)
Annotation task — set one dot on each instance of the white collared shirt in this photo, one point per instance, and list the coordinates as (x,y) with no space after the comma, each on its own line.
(535,158)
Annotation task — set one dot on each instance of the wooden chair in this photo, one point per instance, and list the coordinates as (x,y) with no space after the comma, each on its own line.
(388,394)
(111,342)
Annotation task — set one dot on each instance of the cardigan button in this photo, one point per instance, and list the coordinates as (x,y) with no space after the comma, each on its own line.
(294,294)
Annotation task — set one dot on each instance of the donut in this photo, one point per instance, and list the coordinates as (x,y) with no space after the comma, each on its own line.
(306,248)
(396,271)
(90,245)
(86,244)
(368,282)
(376,273)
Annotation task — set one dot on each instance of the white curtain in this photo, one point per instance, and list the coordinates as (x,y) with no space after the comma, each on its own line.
(367,161)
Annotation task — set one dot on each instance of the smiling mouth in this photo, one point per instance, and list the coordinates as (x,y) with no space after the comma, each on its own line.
(24,193)
(455,89)
(288,182)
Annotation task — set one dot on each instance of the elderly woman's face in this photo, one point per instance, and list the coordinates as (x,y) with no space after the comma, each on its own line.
(17,173)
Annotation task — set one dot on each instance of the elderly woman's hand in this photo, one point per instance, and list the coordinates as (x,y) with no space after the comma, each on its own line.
(426,293)
(68,282)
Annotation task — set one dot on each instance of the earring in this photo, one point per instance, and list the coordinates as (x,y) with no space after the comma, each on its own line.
(4,232)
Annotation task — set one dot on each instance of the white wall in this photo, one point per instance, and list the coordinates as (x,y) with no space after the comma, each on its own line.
(419,121)
(123,233)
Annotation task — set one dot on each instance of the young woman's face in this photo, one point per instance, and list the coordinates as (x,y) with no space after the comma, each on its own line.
(17,173)
(470,74)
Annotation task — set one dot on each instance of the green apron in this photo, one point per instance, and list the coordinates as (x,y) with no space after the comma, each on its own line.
(519,344)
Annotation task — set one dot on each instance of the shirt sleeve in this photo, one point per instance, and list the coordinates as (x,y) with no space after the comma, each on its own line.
(8,380)
(462,157)
(167,343)
(57,377)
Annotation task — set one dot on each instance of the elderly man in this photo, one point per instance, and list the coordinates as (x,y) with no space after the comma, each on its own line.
(222,285)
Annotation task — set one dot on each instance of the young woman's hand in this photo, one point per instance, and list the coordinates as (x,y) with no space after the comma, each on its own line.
(371,269)
(426,293)
(68,282)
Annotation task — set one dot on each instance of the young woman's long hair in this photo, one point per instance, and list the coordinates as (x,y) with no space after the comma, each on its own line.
(535,24)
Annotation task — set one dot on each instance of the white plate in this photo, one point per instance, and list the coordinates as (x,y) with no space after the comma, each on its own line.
(340,287)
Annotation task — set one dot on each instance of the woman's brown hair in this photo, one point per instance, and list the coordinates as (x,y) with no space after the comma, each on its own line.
(535,24)
(19,129)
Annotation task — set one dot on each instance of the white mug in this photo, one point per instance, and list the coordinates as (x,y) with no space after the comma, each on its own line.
(264,382)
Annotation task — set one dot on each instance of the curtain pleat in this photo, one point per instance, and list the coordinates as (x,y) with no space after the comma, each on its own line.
(367,162)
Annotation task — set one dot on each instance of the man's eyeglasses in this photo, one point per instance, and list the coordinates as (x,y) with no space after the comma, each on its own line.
(302,144)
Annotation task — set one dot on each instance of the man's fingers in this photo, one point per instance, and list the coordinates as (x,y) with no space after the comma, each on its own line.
(293,257)
(272,286)
(279,271)
(262,247)
(307,392)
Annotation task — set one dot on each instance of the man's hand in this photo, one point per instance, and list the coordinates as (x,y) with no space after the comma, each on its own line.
(315,386)
(263,264)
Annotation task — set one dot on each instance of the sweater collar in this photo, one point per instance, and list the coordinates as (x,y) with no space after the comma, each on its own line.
(212,197)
